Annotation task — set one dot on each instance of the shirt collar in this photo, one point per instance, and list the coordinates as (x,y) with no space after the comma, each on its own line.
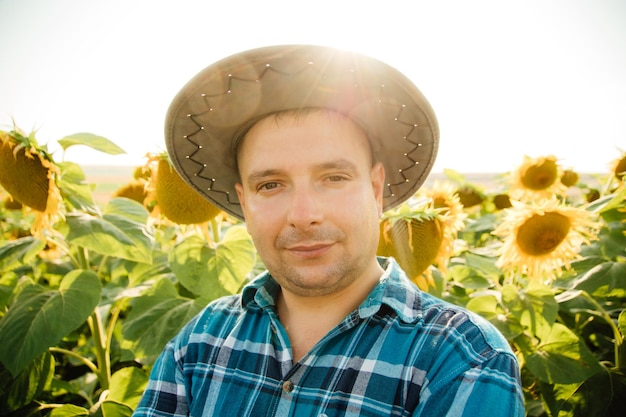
(393,290)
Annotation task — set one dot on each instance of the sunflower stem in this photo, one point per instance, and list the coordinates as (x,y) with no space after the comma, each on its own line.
(92,366)
(115,313)
(102,264)
(100,346)
(215,229)
(82,258)
(617,335)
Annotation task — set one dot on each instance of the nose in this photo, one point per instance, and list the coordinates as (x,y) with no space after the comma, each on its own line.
(305,208)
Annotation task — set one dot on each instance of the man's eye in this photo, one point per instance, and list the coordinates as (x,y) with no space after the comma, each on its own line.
(268,186)
(337,178)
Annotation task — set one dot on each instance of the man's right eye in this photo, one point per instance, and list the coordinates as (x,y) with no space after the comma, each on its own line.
(268,186)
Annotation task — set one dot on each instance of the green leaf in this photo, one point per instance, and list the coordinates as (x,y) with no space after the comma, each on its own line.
(18,252)
(607,280)
(113,236)
(115,409)
(212,273)
(235,257)
(489,307)
(485,305)
(125,207)
(98,143)
(453,175)
(138,233)
(74,187)
(612,241)
(555,396)
(8,282)
(562,358)
(190,263)
(157,316)
(467,278)
(127,386)
(20,391)
(484,264)
(40,318)
(535,307)
(621,322)
(69,410)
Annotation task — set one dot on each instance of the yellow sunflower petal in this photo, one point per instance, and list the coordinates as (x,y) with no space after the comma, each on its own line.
(542,239)
(536,179)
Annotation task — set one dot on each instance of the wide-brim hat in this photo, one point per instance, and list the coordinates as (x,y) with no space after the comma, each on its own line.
(209,112)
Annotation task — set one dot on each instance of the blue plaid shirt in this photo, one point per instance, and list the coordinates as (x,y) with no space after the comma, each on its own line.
(401,353)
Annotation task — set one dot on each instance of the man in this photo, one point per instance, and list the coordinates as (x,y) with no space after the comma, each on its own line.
(309,145)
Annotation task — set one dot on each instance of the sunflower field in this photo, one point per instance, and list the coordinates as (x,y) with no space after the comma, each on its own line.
(91,292)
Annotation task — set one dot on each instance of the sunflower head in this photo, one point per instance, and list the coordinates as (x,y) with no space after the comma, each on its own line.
(541,239)
(536,178)
(174,198)
(618,167)
(28,174)
(413,241)
(418,234)
(592,195)
(135,190)
(442,197)
(469,196)
(502,201)
(569,178)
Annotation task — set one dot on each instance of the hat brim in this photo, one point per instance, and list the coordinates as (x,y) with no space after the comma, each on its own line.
(205,116)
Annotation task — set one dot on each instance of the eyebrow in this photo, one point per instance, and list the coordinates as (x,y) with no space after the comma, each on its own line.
(338,164)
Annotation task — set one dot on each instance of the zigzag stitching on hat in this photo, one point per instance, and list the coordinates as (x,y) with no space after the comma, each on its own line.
(412,161)
(201,165)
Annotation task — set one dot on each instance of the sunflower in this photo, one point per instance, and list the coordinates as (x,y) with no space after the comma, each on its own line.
(174,198)
(618,167)
(421,233)
(502,201)
(569,178)
(443,196)
(28,173)
(536,179)
(135,190)
(469,196)
(542,238)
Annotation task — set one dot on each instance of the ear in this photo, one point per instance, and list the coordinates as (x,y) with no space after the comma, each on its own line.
(242,202)
(377,176)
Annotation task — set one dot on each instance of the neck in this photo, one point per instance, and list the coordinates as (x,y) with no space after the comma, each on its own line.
(307,319)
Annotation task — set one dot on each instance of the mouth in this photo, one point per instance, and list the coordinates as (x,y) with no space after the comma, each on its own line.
(309,250)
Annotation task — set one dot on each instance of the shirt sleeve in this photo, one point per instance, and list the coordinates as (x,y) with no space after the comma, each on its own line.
(165,394)
(491,388)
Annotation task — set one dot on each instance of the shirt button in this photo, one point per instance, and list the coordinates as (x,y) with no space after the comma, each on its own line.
(288,386)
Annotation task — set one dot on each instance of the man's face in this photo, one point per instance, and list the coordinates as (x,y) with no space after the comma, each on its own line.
(311,200)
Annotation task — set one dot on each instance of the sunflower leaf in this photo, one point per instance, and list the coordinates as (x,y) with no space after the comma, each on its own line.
(209,272)
(96,142)
(562,358)
(234,258)
(39,318)
(607,280)
(19,252)
(127,386)
(74,187)
(157,316)
(112,235)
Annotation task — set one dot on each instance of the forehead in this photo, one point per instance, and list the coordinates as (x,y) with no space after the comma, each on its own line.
(330,128)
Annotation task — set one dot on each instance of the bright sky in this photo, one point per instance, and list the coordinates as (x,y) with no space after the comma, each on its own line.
(506,78)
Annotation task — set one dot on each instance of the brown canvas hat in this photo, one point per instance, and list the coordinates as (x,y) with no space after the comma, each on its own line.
(206,116)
